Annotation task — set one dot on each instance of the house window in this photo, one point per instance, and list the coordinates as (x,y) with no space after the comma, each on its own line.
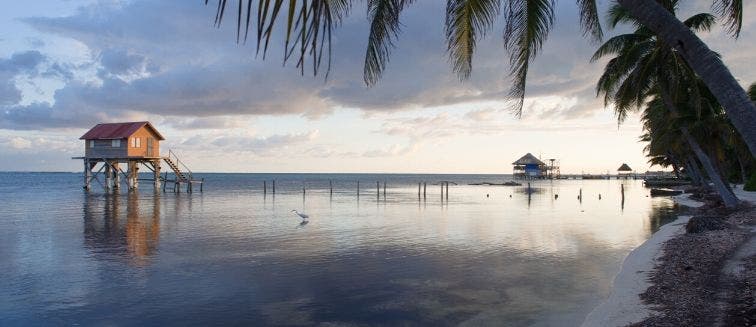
(133,142)
(138,142)
(115,143)
(91,143)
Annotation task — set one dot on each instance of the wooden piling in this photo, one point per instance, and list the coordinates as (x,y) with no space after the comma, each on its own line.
(447,190)
(418,191)
(330,186)
(265,187)
(425,186)
(580,195)
(377,189)
(87,174)
(622,190)
(358,189)
(274,187)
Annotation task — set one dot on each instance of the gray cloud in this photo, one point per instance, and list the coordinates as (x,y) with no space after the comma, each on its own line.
(19,63)
(183,67)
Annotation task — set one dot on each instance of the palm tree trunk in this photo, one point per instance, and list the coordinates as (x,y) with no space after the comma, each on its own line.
(733,98)
(694,173)
(675,164)
(728,198)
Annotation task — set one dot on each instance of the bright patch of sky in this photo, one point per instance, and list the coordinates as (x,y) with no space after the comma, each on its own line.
(67,65)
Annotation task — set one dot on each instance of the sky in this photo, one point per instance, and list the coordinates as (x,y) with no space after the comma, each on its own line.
(68,65)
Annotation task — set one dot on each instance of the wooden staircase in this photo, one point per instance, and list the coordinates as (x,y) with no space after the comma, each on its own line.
(182,174)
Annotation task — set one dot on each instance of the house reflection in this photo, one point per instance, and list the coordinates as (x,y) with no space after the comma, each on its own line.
(132,232)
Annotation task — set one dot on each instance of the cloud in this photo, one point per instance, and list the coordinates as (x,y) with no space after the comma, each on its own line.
(182,67)
(269,146)
(19,63)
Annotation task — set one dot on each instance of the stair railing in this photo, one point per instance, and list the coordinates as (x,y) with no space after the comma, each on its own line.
(180,164)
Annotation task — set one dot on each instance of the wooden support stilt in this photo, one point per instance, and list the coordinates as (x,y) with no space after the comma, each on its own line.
(384,190)
(580,195)
(418,191)
(378,189)
(274,187)
(425,186)
(117,178)
(87,174)
(447,190)
(265,188)
(358,189)
(108,176)
(156,173)
(202,184)
(330,186)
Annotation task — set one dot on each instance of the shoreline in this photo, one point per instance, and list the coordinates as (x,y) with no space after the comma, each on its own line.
(667,279)
(624,305)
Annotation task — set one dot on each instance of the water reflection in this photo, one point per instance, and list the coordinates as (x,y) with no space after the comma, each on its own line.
(133,231)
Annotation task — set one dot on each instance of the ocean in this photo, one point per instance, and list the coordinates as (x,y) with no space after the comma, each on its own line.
(489,255)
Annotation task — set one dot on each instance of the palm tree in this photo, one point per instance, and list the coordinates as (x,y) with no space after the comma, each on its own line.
(643,68)
(309,24)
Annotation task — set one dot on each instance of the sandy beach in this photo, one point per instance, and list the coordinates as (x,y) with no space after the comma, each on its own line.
(625,305)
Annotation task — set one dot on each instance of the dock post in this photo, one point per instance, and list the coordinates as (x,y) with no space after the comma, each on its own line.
(580,196)
(418,191)
(265,187)
(129,175)
(156,165)
(384,190)
(87,174)
(442,190)
(108,176)
(378,189)
(202,184)
(529,188)
(117,175)
(358,189)
(303,189)
(274,187)
(622,191)
(425,186)
(330,186)
(447,190)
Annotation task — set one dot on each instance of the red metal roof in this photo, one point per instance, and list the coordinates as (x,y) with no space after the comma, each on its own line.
(117,130)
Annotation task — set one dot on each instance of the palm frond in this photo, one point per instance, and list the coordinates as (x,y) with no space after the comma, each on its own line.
(527,26)
(617,15)
(589,19)
(701,22)
(467,21)
(384,29)
(309,25)
(732,12)
(616,45)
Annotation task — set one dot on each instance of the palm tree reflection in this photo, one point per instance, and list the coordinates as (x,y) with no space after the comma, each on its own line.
(107,233)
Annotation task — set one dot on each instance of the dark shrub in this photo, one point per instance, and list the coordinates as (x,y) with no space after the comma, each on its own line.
(700,224)
(750,185)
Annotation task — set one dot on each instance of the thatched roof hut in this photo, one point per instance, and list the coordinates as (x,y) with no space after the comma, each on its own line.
(624,168)
(528,159)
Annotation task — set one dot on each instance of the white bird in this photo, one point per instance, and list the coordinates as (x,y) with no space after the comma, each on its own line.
(302,215)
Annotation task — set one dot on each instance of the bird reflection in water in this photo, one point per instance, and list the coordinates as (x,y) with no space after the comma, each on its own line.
(132,232)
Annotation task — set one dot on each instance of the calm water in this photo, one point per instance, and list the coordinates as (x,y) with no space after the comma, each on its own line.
(234,256)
